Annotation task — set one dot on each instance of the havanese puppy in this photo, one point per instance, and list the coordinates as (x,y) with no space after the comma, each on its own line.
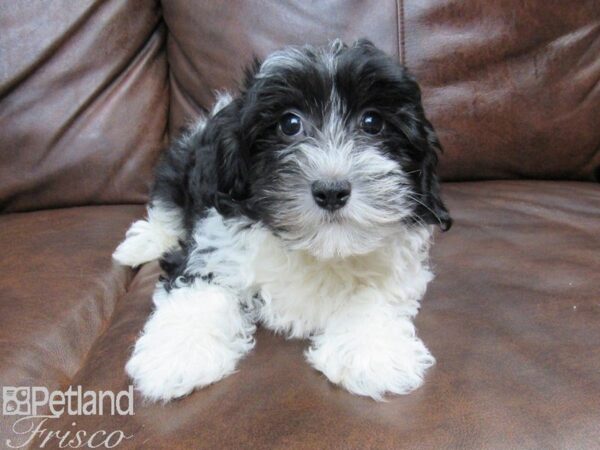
(305,204)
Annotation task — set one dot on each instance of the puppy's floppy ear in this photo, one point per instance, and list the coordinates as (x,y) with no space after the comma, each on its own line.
(224,132)
(433,211)
(232,160)
(424,156)
(219,170)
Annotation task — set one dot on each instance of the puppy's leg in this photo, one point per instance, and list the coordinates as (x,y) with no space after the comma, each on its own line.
(148,239)
(370,348)
(195,337)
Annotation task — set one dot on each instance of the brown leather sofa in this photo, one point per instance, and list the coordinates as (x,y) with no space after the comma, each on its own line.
(92,91)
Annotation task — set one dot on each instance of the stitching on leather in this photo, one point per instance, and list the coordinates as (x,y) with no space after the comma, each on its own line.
(401,40)
(397,3)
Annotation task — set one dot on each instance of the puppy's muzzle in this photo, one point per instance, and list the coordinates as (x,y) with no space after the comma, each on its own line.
(331,195)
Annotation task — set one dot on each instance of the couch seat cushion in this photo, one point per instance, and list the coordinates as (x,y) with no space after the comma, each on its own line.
(58,289)
(513,319)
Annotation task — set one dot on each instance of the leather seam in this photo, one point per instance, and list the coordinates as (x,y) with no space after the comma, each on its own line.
(166,131)
(400,25)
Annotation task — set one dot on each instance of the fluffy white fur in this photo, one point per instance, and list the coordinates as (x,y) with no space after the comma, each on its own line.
(370,347)
(195,337)
(357,311)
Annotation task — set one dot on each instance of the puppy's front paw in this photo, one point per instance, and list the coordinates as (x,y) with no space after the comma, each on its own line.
(143,242)
(371,365)
(195,337)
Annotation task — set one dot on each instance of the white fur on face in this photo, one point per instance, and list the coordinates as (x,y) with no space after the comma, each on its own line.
(298,57)
(378,202)
(335,151)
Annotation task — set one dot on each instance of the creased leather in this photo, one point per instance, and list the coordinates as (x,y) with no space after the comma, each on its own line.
(512,318)
(83,102)
(58,291)
(512,87)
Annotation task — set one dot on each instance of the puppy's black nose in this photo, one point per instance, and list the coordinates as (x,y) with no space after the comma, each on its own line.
(331,195)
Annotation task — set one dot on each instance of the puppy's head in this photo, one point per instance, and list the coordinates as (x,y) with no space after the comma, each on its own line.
(330,149)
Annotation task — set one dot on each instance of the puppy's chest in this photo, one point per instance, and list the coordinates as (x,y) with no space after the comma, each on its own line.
(301,293)
(300,275)
(295,284)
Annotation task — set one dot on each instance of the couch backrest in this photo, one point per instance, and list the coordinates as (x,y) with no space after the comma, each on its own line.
(88,89)
(513,87)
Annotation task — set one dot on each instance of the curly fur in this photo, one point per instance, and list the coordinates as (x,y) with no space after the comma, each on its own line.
(242,240)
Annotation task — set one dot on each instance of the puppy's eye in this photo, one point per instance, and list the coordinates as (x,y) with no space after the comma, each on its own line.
(290,124)
(371,122)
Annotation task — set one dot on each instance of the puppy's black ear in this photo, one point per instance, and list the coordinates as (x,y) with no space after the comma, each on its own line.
(424,158)
(219,169)
(223,158)
(232,159)
(433,211)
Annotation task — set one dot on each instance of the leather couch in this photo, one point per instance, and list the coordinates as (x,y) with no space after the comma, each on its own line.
(92,91)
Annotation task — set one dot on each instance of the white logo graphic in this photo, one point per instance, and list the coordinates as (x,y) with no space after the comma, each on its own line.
(36,405)
(31,401)
(16,400)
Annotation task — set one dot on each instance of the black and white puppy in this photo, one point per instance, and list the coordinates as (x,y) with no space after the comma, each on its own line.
(305,204)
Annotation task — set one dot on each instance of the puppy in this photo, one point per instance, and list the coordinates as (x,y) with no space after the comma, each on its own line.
(305,204)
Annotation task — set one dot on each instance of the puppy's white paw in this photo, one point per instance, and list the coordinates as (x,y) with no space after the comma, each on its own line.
(147,240)
(195,337)
(142,244)
(382,359)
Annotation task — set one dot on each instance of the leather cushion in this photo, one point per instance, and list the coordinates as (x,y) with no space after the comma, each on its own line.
(83,102)
(58,290)
(512,319)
